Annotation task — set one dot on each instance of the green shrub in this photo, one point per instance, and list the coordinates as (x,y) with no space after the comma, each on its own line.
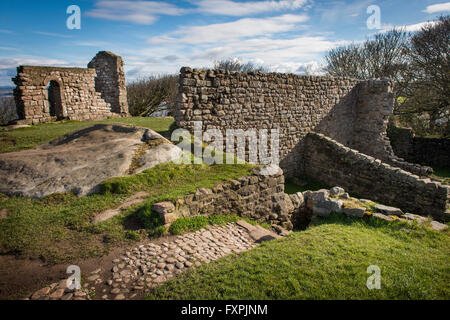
(157,232)
(132,235)
(114,186)
(148,218)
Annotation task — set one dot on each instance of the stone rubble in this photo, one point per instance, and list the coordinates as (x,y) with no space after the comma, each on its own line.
(323,202)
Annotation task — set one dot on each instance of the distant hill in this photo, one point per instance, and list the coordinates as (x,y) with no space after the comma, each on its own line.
(6,91)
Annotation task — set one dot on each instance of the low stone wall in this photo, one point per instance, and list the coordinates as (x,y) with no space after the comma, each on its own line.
(426,151)
(332,163)
(259,197)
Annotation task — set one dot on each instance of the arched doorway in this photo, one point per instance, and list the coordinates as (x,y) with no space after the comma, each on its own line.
(54,99)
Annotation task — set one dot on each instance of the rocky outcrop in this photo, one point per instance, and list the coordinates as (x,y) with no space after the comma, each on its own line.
(78,162)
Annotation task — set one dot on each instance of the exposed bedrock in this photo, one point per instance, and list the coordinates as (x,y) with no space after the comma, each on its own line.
(78,162)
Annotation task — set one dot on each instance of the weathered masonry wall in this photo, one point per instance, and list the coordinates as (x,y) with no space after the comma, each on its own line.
(426,151)
(75,97)
(230,100)
(110,80)
(45,94)
(352,112)
(332,163)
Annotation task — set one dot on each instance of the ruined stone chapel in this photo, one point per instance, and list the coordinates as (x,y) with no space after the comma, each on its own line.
(44,94)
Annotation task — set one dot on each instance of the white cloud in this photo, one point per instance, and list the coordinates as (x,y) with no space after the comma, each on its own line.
(440,7)
(50,34)
(9,49)
(233,8)
(147,12)
(7,63)
(242,28)
(138,12)
(339,12)
(8,66)
(92,43)
(277,43)
(408,28)
(311,68)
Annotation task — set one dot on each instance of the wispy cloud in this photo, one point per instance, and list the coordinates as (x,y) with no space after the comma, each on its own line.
(409,28)
(229,31)
(8,66)
(278,43)
(234,8)
(9,49)
(7,63)
(6,31)
(440,7)
(339,12)
(51,34)
(92,43)
(137,12)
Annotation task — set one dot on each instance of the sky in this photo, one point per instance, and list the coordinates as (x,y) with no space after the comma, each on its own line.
(159,37)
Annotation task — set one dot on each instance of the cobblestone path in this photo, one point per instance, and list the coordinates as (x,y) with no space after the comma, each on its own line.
(148,265)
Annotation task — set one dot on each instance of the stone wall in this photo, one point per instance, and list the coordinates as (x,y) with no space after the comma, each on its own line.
(332,163)
(426,151)
(45,94)
(78,98)
(352,112)
(110,80)
(258,196)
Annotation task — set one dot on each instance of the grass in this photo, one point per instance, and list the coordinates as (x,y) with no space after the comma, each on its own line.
(442,174)
(327,261)
(27,138)
(192,224)
(291,186)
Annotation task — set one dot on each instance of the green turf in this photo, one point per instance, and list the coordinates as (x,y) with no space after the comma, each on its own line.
(291,187)
(442,174)
(327,261)
(192,224)
(26,138)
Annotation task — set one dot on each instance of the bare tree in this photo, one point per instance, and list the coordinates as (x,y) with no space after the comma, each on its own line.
(417,62)
(427,78)
(7,110)
(233,64)
(383,56)
(146,95)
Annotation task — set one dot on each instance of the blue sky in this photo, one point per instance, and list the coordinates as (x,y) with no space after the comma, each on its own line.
(157,37)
